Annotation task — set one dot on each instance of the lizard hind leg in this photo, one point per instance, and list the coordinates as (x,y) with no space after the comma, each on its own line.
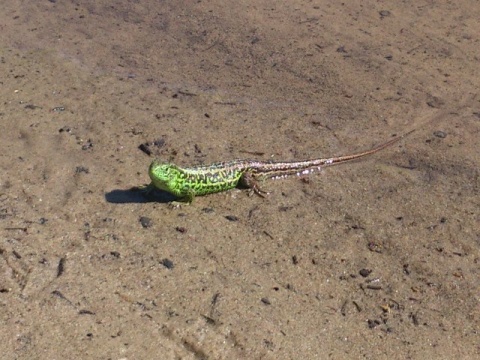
(250,181)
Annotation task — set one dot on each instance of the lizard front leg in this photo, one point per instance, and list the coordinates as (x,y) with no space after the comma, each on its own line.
(145,189)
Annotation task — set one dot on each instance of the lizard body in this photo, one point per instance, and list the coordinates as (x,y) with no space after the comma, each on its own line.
(186,183)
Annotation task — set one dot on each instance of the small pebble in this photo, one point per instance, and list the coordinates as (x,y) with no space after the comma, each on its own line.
(181,229)
(365,272)
(384,13)
(65,129)
(440,134)
(373,323)
(167,263)
(146,222)
(81,169)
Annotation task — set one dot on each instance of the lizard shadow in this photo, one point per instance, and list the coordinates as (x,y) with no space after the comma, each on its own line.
(134,196)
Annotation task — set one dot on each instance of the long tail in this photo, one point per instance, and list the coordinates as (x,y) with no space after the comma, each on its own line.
(281,169)
(342,159)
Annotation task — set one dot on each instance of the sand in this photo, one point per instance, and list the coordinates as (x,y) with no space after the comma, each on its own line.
(375,259)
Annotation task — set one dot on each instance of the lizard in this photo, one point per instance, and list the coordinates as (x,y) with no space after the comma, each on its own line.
(187,182)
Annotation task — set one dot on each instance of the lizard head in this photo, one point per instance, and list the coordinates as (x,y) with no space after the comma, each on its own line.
(167,177)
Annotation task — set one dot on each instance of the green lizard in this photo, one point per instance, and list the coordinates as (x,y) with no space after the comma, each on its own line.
(186,183)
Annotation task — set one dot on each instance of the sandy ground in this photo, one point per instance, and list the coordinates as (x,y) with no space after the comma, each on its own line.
(377,259)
